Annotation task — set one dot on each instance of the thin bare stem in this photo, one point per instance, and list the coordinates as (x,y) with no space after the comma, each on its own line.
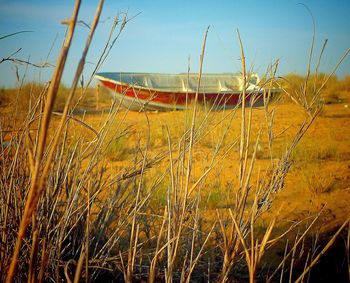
(323,251)
(36,190)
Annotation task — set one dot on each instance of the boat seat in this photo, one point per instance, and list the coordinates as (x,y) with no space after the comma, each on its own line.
(147,82)
(223,87)
(187,87)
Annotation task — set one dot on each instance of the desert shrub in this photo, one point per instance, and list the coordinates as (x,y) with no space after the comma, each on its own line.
(318,182)
(22,98)
(335,91)
(118,149)
(345,84)
(95,98)
(5,97)
(158,136)
(62,95)
(292,83)
(158,199)
(215,197)
(340,90)
(315,152)
(331,97)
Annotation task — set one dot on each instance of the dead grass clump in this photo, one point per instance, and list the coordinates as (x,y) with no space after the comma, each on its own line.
(89,99)
(22,99)
(318,182)
(118,148)
(316,153)
(5,97)
(335,91)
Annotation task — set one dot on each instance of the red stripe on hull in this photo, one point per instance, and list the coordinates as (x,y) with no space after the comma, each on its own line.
(178,98)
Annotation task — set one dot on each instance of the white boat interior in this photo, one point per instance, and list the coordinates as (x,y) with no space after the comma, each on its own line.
(210,83)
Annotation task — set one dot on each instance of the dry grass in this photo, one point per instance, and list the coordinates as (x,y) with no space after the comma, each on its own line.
(22,99)
(335,91)
(181,196)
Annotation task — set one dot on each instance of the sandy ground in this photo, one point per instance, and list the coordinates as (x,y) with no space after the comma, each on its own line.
(319,177)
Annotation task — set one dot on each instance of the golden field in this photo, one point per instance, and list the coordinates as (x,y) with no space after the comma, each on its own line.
(131,187)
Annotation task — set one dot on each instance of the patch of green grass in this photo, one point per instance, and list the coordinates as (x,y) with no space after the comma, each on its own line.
(159,197)
(315,152)
(118,149)
(158,136)
(215,197)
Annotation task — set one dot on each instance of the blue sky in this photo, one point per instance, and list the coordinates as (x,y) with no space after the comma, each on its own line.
(166,33)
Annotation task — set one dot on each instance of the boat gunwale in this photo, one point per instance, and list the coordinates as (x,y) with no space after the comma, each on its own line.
(163,90)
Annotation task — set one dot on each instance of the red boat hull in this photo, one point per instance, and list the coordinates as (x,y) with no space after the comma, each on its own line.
(149,99)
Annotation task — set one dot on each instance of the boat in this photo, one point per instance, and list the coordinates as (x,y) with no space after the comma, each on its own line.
(166,92)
